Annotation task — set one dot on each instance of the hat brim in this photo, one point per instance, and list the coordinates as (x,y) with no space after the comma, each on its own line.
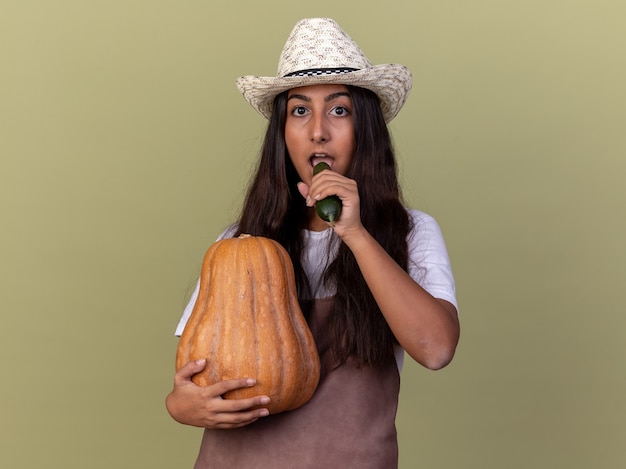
(391,83)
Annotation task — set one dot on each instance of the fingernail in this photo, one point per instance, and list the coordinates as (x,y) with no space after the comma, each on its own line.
(264,412)
(251,381)
(201,361)
(265,400)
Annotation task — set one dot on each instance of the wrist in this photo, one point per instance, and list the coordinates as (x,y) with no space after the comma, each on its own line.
(357,239)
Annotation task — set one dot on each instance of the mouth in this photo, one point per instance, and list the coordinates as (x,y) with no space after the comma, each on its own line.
(319,158)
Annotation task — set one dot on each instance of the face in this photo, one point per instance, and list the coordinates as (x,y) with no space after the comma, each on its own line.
(319,127)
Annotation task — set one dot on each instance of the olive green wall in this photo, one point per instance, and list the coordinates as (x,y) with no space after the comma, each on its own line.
(124,147)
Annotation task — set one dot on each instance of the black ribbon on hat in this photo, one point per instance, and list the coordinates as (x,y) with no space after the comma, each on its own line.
(320,71)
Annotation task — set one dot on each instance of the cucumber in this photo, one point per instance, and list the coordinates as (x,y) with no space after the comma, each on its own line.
(329,208)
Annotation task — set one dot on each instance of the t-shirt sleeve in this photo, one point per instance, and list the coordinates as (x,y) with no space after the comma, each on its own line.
(188,309)
(429,263)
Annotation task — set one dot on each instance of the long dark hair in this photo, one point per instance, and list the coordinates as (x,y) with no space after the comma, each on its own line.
(274,208)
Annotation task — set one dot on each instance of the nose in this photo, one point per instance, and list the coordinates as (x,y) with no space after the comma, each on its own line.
(319,129)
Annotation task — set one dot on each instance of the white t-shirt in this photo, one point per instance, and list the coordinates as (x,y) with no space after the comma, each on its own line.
(429,264)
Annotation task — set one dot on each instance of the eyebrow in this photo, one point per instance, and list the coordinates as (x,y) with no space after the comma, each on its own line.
(327,99)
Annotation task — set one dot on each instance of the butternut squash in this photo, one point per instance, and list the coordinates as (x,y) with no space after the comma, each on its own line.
(247,323)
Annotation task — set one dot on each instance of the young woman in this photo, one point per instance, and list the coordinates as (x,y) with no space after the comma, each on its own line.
(374,285)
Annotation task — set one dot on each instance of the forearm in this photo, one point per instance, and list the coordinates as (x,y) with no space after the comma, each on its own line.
(426,327)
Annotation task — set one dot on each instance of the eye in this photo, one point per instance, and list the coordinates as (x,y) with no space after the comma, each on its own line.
(340,111)
(299,111)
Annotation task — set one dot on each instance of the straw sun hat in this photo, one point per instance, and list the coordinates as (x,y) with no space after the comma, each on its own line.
(318,51)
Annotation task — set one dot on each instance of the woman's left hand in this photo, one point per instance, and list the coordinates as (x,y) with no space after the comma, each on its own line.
(328,183)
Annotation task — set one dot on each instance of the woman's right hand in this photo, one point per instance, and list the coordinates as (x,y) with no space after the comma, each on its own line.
(202,406)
